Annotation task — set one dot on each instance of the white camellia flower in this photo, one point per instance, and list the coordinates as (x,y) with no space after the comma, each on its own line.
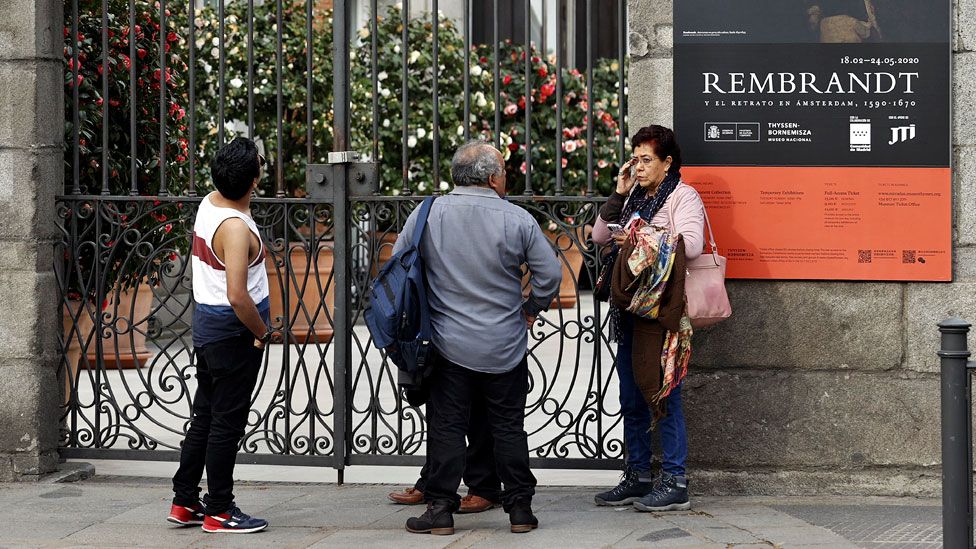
(386,122)
(479,99)
(364,33)
(460,130)
(396,192)
(215,52)
(411,141)
(476,70)
(396,48)
(422,186)
(237,82)
(444,186)
(382,76)
(421,133)
(414,56)
(385,92)
(215,41)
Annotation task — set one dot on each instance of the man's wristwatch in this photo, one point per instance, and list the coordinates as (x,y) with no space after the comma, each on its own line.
(266,337)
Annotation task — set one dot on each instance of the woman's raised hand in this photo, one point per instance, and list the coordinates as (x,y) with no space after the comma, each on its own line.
(624,181)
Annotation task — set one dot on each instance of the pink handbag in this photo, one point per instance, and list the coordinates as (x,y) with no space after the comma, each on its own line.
(707,300)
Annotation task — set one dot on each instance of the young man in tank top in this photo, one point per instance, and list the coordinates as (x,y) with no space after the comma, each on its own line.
(230,329)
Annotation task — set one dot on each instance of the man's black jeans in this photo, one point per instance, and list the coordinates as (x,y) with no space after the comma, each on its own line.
(453,388)
(479,467)
(226,373)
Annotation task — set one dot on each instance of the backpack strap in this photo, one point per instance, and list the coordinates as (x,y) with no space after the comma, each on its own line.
(418,230)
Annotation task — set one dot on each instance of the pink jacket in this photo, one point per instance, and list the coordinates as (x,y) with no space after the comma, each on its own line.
(689,220)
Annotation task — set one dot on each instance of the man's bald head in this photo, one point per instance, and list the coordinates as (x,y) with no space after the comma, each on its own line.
(474,162)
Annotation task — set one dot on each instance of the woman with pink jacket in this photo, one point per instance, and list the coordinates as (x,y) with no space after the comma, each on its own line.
(649,186)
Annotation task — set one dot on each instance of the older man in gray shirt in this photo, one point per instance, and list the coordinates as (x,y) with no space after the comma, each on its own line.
(474,247)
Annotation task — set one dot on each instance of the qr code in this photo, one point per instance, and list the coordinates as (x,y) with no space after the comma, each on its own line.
(864,256)
(908,256)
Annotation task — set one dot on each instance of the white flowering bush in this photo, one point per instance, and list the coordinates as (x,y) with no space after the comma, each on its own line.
(294,125)
(420,145)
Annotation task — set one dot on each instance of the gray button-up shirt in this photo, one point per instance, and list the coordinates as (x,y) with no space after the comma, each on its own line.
(473,249)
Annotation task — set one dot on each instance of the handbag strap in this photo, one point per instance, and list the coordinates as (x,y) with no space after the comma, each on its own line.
(708,227)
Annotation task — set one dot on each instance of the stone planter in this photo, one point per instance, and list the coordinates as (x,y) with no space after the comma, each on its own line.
(309,286)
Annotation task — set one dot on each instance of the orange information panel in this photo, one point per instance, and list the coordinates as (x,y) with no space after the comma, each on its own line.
(841,223)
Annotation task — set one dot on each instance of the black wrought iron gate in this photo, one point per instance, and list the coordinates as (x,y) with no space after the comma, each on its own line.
(325,396)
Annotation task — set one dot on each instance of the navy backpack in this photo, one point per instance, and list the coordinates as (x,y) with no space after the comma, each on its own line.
(397,313)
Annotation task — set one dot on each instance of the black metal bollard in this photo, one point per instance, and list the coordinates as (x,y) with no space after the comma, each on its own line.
(957,449)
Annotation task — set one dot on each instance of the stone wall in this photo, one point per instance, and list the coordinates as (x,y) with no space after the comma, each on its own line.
(31,136)
(821,387)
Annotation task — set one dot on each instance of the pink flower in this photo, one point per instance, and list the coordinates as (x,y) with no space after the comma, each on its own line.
(569,146)
(565,162)
(602,164)
(522,168)
(510,109)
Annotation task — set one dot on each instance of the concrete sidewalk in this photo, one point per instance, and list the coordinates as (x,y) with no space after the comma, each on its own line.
(115,511)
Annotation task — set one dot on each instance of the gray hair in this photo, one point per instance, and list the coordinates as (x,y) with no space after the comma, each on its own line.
(474,162)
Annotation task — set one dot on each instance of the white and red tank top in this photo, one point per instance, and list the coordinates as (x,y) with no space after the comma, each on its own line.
(213,317)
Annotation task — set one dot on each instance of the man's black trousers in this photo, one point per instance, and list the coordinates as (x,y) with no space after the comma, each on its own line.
(479,468)
(227,371)
(453,388)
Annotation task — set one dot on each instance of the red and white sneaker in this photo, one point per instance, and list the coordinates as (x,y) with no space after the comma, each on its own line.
(233,521)
(186,516)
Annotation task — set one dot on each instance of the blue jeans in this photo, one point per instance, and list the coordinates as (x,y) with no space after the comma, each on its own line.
(637,415)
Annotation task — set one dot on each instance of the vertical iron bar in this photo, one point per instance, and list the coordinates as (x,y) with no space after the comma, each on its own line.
(106,73)
(75,130)
(437,115)
(374,67)
(560,4)
(528,96)
(543,45)
(404,94)
(497,78)
(957,459)
(309,113)
(467,70)
(340,74)
(589,97)
(163,111)
(250,68)
(192,156)
(279,156)
(621,77)
(221,64)
(97,324)
(133,132)
(341,272)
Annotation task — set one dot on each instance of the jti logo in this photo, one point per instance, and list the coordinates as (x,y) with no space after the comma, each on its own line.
(902,133)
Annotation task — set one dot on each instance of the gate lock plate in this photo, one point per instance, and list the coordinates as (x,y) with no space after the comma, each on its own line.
(321,179)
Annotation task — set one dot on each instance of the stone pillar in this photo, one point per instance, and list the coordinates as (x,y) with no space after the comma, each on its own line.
(820,387)
(31,173)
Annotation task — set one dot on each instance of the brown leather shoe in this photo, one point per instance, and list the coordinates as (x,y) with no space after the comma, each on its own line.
(475,504)
(410,496)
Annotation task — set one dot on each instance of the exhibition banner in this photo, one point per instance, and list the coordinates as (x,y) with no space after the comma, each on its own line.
(818,134)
